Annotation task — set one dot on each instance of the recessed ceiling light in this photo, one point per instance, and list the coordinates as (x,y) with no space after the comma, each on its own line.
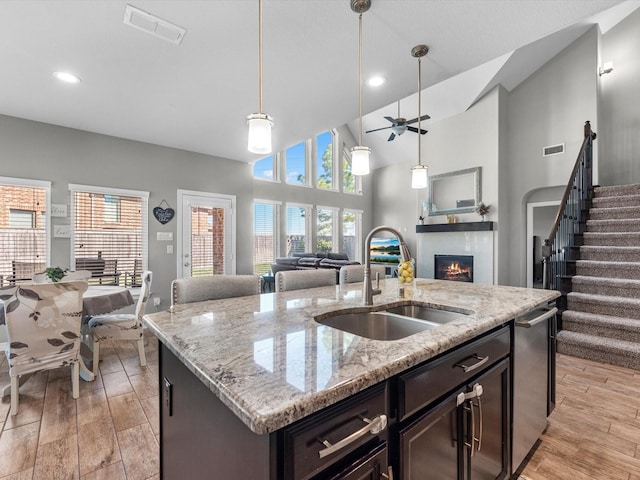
(376,81)
(66,77)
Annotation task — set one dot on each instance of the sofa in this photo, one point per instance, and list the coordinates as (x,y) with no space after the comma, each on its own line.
(307,261)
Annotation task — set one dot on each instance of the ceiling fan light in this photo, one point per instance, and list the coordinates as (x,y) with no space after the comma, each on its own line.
(419,176)
(360,160)
(259,133)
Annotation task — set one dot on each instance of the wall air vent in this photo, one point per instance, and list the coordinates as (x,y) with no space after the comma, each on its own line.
(153,25)
(553,150)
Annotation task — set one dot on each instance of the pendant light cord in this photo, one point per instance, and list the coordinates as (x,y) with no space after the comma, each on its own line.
(360,72)
(419,109)
(260,54)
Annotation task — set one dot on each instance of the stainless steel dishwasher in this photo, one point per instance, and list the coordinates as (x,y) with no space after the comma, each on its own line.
(533,360)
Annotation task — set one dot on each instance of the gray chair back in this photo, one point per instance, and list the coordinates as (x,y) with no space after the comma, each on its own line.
(299,279)
(355,273)
(214,287)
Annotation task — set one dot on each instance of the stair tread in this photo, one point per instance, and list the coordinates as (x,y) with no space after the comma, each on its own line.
(598,343)
(604,299)
(604,263)
(606,248)
(619,282)
(601,319)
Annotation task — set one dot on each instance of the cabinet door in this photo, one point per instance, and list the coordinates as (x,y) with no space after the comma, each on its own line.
(488,460)
(429,447)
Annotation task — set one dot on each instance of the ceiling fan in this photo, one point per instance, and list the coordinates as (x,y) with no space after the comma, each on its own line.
(400,125)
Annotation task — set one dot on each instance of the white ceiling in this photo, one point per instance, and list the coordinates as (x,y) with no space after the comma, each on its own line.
(195,96)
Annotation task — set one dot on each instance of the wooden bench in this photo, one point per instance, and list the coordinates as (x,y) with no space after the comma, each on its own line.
(22,271)
(105,270)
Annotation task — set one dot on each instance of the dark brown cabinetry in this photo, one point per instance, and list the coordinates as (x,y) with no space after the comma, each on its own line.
(445,419)
(465,434)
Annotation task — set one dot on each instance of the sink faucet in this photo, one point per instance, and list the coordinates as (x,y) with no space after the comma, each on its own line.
(367,290)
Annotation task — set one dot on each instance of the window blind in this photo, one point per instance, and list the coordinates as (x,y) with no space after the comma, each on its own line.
(23,232)
(265,236)
(109,235)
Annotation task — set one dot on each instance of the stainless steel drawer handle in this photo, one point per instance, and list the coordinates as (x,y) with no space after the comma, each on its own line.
(375,426)
(471,368)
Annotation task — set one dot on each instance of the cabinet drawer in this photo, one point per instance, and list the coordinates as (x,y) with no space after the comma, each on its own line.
(306,442)
(428,382)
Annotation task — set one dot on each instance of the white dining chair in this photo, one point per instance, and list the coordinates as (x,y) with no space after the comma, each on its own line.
(287,280)
(43,330)
(355,273)
(122,326)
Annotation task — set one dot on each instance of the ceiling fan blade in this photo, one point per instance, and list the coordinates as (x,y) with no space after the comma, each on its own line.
(392,120)
(415,130)
(376,129)
(391,137)
(414,120)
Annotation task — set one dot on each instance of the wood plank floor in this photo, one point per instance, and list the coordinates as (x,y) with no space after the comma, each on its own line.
(111,431)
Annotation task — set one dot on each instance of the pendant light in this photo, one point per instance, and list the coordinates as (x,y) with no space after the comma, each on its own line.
(419,173)
(360,154)
(259,123)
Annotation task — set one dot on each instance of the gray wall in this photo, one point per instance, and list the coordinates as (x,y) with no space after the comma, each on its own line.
(505,133)
(464,141)
(63,155)
(548,108)
(619,129)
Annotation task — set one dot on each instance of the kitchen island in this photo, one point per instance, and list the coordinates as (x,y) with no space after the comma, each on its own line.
(267,362)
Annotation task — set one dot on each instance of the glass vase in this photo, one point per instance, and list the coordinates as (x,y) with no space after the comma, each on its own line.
(406,272)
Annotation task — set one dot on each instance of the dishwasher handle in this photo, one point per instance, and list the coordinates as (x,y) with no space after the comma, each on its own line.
(536,320)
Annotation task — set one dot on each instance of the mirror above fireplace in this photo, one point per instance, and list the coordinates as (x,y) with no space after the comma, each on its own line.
(454,192)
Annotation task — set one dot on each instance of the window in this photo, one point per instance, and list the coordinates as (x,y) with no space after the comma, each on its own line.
(350,183)
(325,233)
(109,233)
(298,235)
(265,235)
(266,169)
(296,164)
(352,234)
(324,161)
(22,218)
(111,209)
(24,244)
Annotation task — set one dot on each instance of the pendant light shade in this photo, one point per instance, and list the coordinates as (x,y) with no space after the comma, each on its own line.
(360,154)
(259,123)
(419,176)
(419,173)
(259,133)
(360,160)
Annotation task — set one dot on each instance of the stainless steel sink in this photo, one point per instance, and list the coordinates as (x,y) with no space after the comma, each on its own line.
(428,314)
(391,324)
(376,325)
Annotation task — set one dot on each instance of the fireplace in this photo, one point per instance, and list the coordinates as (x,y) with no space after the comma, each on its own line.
(457,268)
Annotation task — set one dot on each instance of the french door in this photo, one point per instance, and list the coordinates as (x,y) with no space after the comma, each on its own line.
(206,241)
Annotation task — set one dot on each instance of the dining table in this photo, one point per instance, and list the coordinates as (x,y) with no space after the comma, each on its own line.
(96,300)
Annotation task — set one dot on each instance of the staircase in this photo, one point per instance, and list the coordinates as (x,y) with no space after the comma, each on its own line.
(602,319)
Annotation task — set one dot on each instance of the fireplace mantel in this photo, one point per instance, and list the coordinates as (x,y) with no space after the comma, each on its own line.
(455,227)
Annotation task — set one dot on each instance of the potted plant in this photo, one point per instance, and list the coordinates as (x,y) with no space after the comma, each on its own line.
(55,274)
(482,210)
(421,220)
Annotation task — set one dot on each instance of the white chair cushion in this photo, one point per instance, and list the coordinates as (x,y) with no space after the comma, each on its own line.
(118,326)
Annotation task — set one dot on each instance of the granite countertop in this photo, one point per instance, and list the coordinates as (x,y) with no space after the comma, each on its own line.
(268,360)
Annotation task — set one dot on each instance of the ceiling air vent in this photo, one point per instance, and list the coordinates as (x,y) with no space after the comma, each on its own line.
(153,25)
(553,150)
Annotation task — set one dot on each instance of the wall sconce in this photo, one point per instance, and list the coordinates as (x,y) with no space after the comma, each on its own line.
(606,68)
